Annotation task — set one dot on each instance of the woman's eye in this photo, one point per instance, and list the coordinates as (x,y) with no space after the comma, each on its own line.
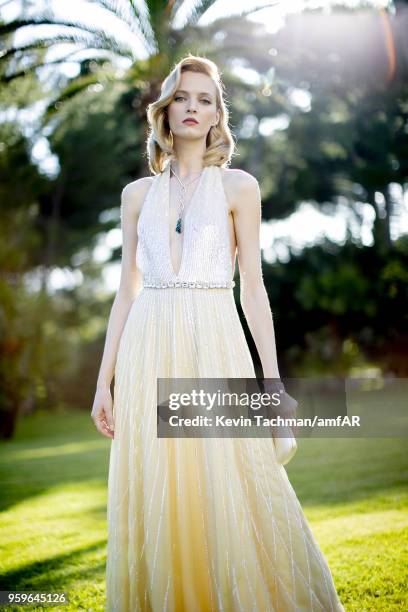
(182,98)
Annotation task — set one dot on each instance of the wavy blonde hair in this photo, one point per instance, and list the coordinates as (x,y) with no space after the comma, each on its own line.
(220,142)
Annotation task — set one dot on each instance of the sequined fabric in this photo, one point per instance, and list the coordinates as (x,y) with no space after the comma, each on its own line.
(206,247)
(191,285)
(198,525)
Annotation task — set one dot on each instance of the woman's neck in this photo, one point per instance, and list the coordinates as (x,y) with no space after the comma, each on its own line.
(188,160)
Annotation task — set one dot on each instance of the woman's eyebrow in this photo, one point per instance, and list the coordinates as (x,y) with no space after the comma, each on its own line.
(205,93)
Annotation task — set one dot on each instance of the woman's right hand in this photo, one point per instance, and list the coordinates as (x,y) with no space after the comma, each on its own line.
(102,414)
(287,405)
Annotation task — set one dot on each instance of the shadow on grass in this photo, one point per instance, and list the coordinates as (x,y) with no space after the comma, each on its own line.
(25,478)
(340,471)
(55,573)
(53,450)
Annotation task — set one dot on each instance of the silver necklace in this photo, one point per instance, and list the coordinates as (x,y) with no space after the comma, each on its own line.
(182,196)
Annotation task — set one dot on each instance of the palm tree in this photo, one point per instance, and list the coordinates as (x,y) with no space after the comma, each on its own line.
(155,27)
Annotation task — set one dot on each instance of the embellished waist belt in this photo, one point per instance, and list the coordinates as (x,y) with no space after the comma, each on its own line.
(189,284)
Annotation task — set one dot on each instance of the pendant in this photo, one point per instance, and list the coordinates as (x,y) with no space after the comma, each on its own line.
(178,225)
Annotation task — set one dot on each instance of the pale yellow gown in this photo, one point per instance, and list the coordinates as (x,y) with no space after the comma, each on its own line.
(197,525)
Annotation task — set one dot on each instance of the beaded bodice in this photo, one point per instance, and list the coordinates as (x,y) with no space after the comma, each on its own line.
(206,251)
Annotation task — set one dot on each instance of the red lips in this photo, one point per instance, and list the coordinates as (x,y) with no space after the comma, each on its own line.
(190,120)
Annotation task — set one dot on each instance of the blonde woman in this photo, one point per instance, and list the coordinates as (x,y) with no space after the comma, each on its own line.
(199,524)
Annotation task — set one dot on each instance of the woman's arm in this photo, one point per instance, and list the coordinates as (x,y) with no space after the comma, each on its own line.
(247,212)
(132,199)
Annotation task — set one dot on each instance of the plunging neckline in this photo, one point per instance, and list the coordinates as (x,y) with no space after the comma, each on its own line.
(184,220)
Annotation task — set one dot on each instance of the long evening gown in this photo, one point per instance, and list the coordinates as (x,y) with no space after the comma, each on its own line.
(194,524)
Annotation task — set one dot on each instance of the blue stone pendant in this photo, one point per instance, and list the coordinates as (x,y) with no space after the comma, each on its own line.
(178,225)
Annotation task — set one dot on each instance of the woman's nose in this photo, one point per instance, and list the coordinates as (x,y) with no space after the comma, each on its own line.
(192,106)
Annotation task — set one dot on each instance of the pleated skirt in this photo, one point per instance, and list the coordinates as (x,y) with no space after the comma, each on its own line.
(199,524)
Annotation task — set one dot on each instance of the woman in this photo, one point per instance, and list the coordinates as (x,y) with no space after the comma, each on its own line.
(198,524)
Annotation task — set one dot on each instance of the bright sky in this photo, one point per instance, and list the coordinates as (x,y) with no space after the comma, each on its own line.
(305,227)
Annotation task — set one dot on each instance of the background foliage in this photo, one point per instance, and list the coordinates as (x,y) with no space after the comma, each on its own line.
(338,308)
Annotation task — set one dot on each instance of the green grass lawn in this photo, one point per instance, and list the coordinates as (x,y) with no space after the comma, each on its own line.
(53,482)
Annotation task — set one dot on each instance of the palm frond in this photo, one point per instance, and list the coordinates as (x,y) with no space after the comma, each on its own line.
(127,12)
(100,42)
(255,9)
(198,10)
(57,62)
(143,21)
(110,41)
(203,6)
(75,87)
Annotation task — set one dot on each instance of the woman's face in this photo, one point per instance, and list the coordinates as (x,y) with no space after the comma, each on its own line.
(195,98)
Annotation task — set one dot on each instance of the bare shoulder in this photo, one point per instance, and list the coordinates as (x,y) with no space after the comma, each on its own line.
(134,193)
(240,186)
